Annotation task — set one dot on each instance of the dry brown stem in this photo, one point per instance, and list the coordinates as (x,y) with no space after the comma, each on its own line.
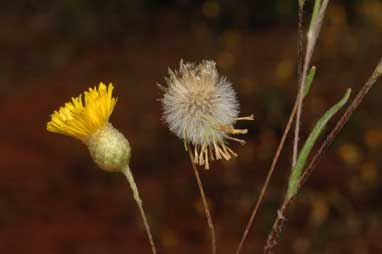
(205,205)
(267,180)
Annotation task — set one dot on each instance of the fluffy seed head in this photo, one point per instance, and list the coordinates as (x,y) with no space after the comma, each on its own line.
(201,107)
(196,101)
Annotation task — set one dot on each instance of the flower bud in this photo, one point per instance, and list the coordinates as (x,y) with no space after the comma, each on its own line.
(109,148)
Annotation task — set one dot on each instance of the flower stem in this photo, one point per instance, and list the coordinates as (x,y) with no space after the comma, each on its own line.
(277,227)
(300,59)
(268,179)
(127,172)
(205,204)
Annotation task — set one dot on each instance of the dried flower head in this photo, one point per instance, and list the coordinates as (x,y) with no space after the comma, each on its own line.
(201,107)
(88,121)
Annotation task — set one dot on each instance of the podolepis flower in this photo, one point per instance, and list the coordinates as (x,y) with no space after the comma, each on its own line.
(201,107)
(88,121)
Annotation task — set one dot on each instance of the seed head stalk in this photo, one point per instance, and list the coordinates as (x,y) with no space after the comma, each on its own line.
(205,205)
(127,172)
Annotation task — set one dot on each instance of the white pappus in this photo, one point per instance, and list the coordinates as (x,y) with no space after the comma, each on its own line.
(201,107)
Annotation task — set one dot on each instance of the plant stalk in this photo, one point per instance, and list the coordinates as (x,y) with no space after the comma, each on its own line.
(205,205)
(281,215)
(268,179)
(127,172)
(312,38)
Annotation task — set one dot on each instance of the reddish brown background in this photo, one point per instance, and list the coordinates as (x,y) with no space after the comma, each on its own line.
(53,199)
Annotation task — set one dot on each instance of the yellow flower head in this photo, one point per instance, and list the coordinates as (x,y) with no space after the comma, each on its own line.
(80,119)
(88,121)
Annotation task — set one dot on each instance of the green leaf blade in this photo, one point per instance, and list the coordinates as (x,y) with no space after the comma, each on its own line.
(311,140)
(316,10)
(309,80)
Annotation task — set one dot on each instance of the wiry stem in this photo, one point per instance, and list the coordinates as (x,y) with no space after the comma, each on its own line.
(300,56)
(127,172)
(205,205)
(312,38)
(277,228)
(300,59)
(269,176)
(313,34)
(280,220)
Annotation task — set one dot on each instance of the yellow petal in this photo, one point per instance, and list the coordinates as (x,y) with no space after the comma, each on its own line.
(81,118)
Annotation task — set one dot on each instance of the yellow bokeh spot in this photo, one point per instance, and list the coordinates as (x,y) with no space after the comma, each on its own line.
(199,206)
(211,9)
(373,137)
(349,153)
(226,60)
(320,210)
(371,10)
(284,70)
(169,238)
(369,173)
(231,39)
(336,22)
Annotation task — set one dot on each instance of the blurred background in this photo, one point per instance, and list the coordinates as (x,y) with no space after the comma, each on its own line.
(54,199)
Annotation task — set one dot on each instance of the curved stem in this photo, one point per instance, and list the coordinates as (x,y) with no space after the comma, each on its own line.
(205,205)
(127,172)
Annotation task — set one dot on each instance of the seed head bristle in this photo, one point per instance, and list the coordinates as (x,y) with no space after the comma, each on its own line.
(201,107)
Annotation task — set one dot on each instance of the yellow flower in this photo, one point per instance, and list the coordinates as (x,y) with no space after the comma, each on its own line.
(88,121)
(81,120)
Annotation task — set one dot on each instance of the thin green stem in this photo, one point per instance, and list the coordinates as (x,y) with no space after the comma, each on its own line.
(130,178)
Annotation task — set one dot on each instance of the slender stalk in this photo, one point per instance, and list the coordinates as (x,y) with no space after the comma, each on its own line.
(302,74)
(300,59)
(269,176)
(205,205)
(127,172)
(312,37)
(281,215)
(277,228)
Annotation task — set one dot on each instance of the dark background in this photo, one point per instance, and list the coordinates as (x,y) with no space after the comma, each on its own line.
(53,199)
